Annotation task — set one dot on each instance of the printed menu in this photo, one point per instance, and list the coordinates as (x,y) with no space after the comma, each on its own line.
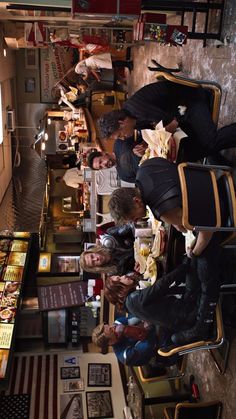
(6,332)
(62,295)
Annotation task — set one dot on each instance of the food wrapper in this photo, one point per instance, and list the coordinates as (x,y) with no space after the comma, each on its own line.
(158,141)
(151,270)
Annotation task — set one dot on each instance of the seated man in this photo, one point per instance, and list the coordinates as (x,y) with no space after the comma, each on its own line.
(126,157)
(160,101)
(134,342)
(158,186)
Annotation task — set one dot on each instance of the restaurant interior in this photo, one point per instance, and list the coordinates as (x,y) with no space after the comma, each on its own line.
(49,306)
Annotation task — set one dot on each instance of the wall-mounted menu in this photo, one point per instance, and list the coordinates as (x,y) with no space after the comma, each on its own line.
(13,253)
(53,297)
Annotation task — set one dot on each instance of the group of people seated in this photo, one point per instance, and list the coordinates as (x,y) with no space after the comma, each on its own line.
(179,320)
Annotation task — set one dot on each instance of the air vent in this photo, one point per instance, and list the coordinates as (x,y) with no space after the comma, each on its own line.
(11,125)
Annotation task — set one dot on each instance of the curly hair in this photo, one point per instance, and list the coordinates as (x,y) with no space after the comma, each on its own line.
(116,292)
(91,156)
(121,203)
(108,268)
(99,338)
(108,123)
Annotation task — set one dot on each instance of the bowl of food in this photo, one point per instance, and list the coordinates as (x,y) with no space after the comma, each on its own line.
(6,314)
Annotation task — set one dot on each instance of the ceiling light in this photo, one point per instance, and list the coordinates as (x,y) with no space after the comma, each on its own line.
(46,136)
(49,121)
(4,52)
(43,146)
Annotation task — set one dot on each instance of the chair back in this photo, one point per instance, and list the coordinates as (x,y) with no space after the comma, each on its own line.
(213,89)
(208,197)
(207,410)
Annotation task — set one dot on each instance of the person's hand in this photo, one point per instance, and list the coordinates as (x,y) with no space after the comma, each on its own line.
(180,227)
(172,126)
(137,267)
(140,149)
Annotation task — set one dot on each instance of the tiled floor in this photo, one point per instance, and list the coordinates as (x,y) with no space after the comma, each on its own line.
(219,64)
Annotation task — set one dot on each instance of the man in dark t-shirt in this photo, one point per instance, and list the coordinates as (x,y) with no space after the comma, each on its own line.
(125,157)
(161,101)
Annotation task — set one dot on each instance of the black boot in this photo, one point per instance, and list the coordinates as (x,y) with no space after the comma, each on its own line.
(202,328)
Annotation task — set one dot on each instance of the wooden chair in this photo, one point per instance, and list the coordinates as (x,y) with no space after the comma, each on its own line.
(204,410)
(173,373)
(213,89)
(203,188)
(216,341)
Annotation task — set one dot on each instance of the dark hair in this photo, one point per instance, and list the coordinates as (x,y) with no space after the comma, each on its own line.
(92,156)
(116,292)
(121,203)
(109,122)
(65,160)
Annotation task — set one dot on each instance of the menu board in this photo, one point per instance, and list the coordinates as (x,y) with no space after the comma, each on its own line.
(13,252)
(53,297)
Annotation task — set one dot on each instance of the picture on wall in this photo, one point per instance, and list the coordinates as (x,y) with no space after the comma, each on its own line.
(99,375)
(31,58)
(65,263)
(55,323)
(99,404)
(71,386)
(70,372)
(71,406)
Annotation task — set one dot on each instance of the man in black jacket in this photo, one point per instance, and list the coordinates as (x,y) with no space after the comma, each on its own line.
(161,101)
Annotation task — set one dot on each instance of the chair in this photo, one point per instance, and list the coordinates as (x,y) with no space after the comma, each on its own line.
(213,89)
(203,189)
(213,343)
(204,410)
(147,373)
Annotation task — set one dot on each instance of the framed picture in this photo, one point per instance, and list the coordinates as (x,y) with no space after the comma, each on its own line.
(30,85)
(71,386)
(99,404)
(55,327)
(99,375)
(70,372)
(65,263)
(71,406)
(31,59)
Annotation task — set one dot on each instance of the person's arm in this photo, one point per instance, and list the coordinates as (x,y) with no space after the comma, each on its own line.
(174,217)
(172,126)
(142,298)
(203,239)
(96,75)
(138,353)
(140,149)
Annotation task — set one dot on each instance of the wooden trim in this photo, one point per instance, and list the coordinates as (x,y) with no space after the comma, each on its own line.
(185,214)
(232,192)
(217,199)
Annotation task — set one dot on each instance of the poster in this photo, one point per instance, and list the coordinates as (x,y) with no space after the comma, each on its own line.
(52,297)
(17,258)
(19,246)
(54,63)
(4,355)
(13,273)
(6,332)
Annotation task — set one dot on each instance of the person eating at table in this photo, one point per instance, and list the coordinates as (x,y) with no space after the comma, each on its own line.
(101,259)
(158,186)
(126,156)
(177,106)
(187,319)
